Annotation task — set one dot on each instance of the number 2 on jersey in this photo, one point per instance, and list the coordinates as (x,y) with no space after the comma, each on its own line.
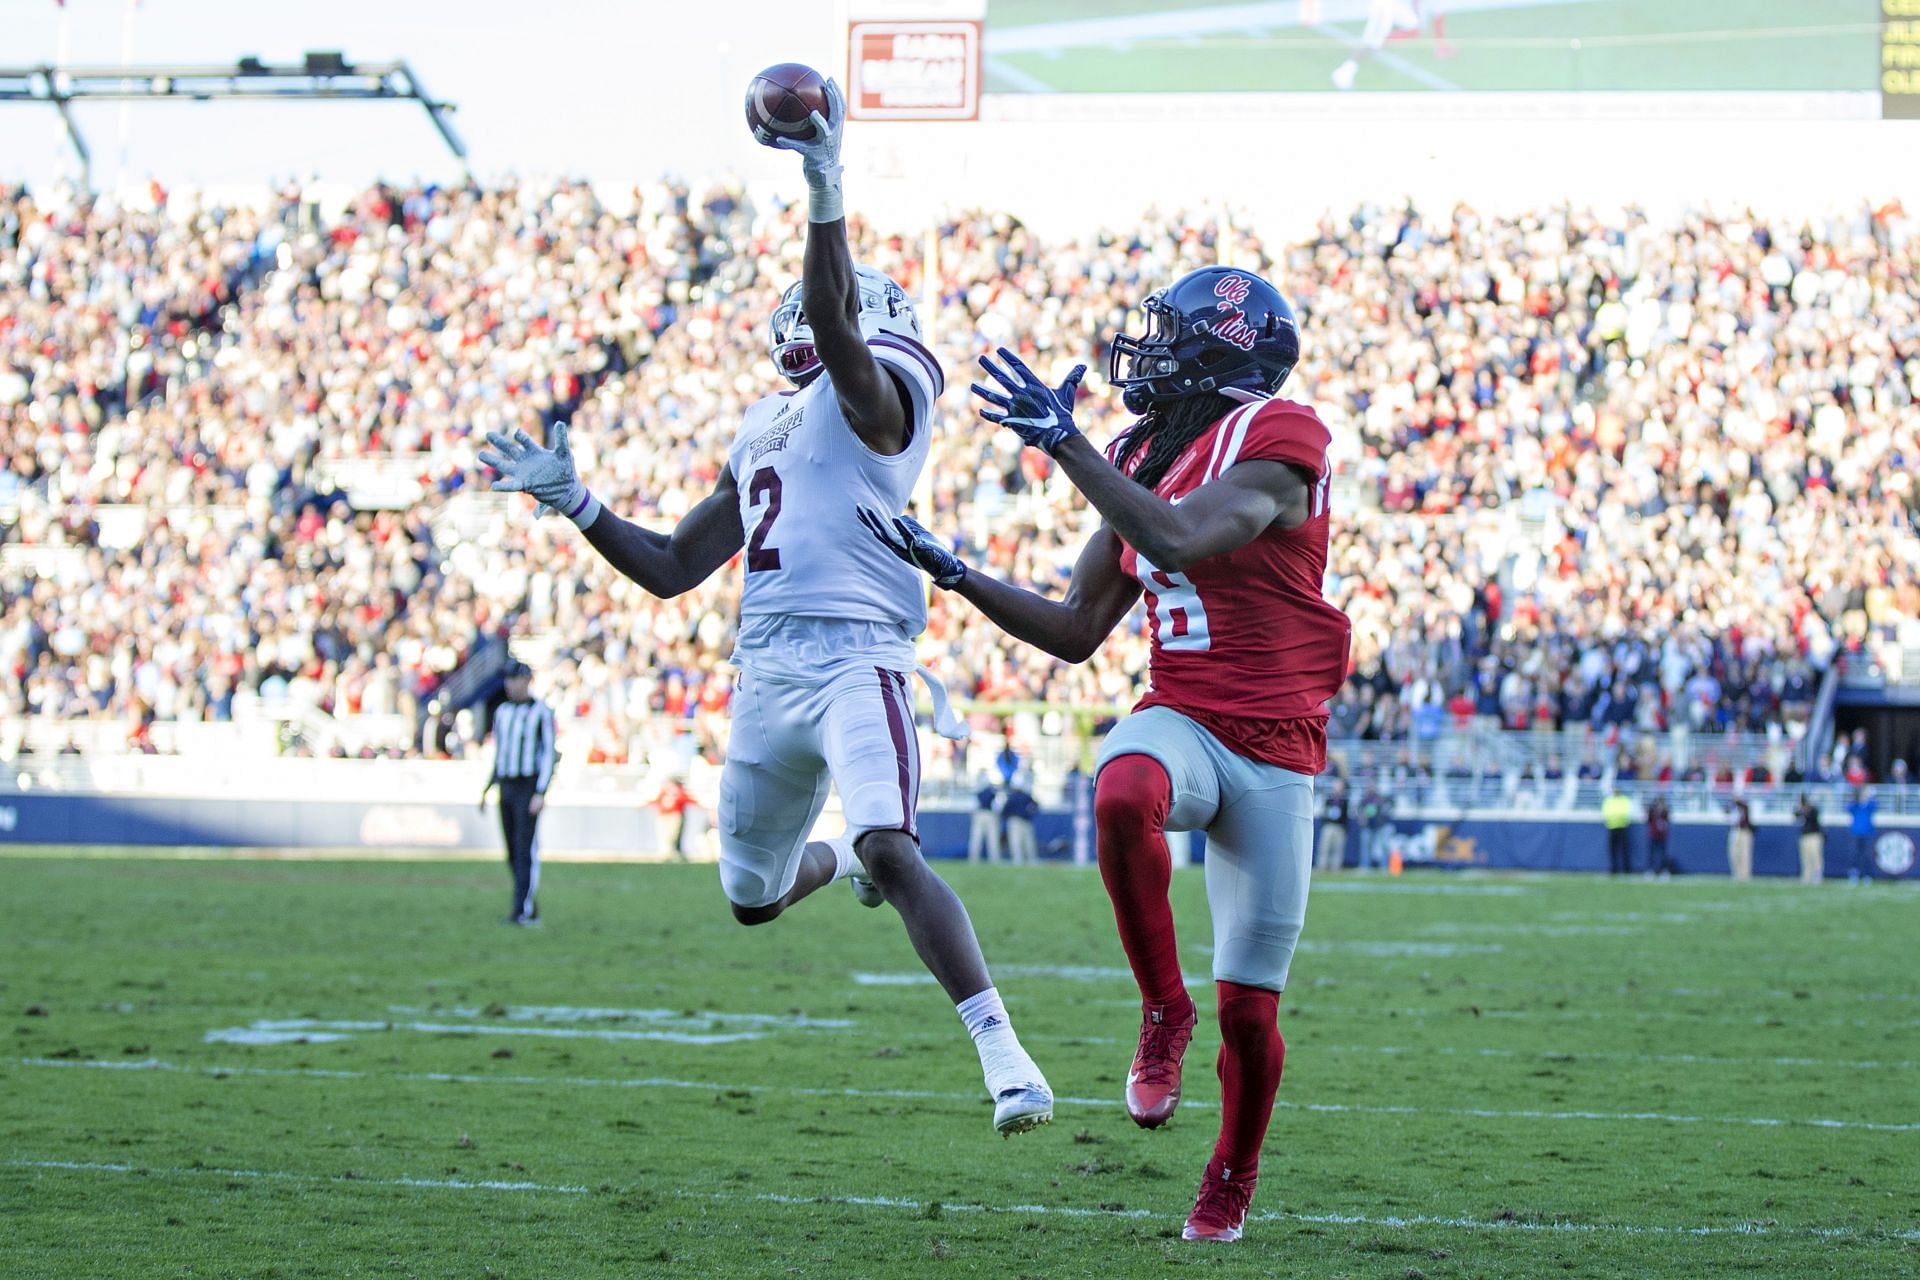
(761,557)
(1179,619)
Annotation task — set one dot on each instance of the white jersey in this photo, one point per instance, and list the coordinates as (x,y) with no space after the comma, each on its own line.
(801,471)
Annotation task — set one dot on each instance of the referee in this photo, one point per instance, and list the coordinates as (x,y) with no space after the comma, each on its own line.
(523,759)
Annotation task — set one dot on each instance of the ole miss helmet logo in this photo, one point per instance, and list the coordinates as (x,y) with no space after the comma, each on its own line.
(1233,289)
(1231,324)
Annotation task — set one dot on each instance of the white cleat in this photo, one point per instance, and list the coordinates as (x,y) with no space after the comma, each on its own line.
(865,891)
(1021,1098)
(1022,1107)
(1345,74)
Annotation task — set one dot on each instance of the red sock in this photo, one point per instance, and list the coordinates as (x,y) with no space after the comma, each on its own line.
(1130,804)
(1251,1056)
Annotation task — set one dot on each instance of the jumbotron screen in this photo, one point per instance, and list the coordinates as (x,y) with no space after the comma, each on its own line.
(1291,46)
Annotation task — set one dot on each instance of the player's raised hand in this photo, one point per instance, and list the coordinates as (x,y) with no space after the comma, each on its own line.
(1040,415)
(909,539)
(547,474)
(820,153)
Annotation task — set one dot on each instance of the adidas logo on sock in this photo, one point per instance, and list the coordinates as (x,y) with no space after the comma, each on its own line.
(990,1023)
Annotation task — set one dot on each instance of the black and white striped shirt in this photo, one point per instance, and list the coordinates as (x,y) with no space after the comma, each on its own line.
(523,742)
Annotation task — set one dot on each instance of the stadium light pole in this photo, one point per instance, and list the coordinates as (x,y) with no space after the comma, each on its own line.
(322,76)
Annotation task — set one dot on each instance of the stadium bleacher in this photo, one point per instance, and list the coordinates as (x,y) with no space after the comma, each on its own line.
(239,482)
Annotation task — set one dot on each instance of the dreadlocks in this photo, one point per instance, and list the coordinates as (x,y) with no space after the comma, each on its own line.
(1166,430)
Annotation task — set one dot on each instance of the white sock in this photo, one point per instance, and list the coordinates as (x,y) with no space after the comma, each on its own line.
(984,1015)
(845,862)
(1003,1060)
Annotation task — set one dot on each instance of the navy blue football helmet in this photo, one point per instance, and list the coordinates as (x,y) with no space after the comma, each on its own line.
(1215,329)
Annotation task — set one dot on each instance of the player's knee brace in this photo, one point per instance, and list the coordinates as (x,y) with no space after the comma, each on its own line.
(1132,795)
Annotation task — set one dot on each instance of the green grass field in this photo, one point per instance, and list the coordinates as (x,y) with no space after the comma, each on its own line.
(1487,1077)
(1116,46)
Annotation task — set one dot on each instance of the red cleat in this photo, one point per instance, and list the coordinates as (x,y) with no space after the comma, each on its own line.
(1221,1209)
(1153,1085)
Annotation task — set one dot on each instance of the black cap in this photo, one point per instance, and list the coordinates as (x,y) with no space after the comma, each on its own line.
(515,667)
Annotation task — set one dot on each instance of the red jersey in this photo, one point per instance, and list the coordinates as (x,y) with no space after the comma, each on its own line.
(1244,642)
(674,798)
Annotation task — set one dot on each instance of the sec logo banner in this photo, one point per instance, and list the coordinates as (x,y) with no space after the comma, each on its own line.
(1893,853)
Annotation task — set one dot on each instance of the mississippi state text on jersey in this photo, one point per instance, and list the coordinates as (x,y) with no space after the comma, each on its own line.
(1244,642)
(801,473)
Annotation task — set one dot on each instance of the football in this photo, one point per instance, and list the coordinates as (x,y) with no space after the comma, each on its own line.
(781,102)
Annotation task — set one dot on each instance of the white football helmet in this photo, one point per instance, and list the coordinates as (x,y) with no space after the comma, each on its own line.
(884,308)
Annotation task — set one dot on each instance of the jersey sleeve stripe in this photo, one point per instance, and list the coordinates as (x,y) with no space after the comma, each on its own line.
(1237,424)
(1219,440)
(920,356)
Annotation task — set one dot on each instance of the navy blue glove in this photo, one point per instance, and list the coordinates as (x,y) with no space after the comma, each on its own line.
(1040,415)
(908,539)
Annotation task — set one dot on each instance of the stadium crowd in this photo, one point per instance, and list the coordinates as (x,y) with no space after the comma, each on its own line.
(1592,471)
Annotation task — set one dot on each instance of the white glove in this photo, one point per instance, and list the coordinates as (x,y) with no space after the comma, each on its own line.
(547,474)
(820,158)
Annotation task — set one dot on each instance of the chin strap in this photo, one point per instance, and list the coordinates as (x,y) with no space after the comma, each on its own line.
(1244,396)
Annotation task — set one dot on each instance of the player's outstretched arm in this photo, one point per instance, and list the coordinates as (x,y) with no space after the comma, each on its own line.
(666,565)
(1223,515)
(663,564)
(1098,595)
(875,406)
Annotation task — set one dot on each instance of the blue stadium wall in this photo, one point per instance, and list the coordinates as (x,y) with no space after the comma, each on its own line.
(1502,843)
(370,828)
(349,825)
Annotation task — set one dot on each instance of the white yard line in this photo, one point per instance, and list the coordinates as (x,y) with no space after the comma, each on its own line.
(668,1025)
(1398,947)
(283,1030)
(1095,973)
(1328,1108)
(1576,1056)
(1308,1005)
(905,1205)
(277,1175)
(1810,995)
(1065,972)
(1439,889)
(1643,1015)
(1388,948)
(1716,993)
(1451,930)
(268,1035)
(588,1082)
(1487,1113)
(1345,1219)
(681,1018)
